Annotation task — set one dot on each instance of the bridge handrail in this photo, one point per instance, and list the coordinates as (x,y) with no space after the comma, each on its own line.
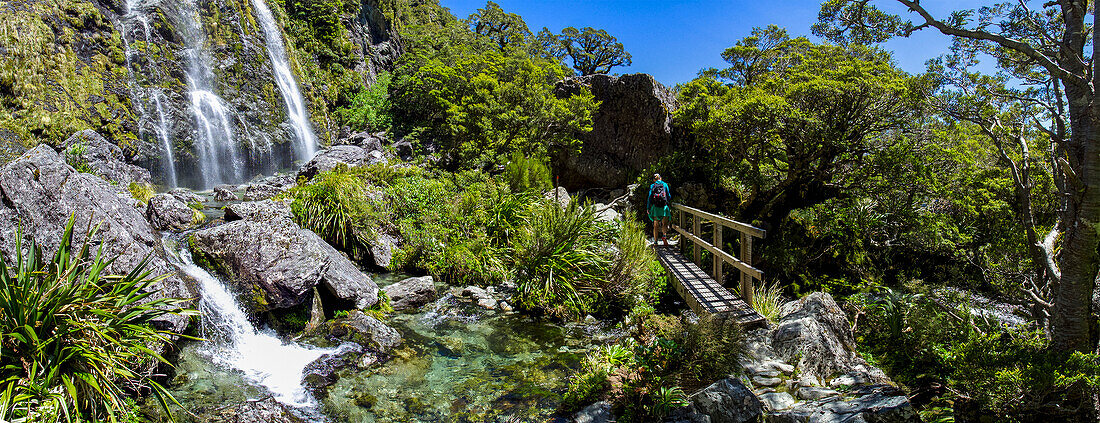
(744,263)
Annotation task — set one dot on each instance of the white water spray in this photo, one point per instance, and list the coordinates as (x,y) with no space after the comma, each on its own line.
(306,142)
(233,342)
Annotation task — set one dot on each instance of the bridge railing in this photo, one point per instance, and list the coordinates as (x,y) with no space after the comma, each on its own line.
(717,248)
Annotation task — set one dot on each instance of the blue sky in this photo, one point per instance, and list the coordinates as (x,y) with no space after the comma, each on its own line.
(673,40)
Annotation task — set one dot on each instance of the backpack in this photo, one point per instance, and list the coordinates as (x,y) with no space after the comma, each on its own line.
(659,197)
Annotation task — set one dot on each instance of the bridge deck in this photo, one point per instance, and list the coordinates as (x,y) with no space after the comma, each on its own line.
(704,294)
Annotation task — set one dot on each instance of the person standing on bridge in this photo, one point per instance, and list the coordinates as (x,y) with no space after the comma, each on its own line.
(658,201)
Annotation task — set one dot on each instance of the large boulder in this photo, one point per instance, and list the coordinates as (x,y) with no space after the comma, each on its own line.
(166,212)
(725,401)
(258,210)
(880,406)
(103,158)
(365,330)
(814,335)
(631,130)
(281,262)
(411,293)
(41,191)
(346,155)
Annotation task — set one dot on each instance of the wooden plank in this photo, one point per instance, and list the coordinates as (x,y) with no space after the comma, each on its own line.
(717,273)
(738,226)
(746,280)
(696,230)
(752,271)
(703,294)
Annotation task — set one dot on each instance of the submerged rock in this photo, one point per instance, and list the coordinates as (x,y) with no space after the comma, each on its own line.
(41,191)
(599,412)
(279,262)
(365,330)
(267,410)
(167,212)
(411,293)
(103,158)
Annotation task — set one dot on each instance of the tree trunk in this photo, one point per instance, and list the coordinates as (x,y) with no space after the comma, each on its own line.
(1079,261)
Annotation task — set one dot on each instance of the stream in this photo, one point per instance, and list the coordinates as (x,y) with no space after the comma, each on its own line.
(457,363)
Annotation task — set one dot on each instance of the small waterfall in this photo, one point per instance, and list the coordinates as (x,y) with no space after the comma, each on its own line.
(166,143)
(218,152)
(233,342)
(292,96)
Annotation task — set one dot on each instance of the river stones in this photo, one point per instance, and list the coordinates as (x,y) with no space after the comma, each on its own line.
(365,330)
(225,193)
(411,293)
(346,155)
(267,410)
(278,263)
(168,213)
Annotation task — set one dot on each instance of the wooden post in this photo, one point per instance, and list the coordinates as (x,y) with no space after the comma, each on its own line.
(696,230)
(746,256)
(718,260)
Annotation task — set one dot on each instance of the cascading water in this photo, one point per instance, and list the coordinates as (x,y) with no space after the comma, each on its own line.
(233,342)
(141,95)
(166,143)
(292,96)
(218,153)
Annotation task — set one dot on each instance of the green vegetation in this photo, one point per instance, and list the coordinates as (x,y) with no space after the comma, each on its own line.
(643,376)
(591,50)
(526,174)
(143,192)
(77,341)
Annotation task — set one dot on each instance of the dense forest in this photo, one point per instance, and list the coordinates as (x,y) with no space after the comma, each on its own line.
(948,214)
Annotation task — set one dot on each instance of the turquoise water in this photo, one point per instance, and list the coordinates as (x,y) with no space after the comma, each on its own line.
(458,363)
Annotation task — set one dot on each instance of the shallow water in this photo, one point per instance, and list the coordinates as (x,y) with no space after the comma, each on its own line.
(458,363)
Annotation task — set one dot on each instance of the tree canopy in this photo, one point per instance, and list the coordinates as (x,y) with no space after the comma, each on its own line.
(590,50)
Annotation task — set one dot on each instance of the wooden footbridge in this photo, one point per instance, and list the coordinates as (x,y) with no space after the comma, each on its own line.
(704,292)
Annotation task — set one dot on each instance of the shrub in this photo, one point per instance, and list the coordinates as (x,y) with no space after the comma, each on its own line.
(76,339)
(525,174)
(767,299)
(370,107)
(336,205)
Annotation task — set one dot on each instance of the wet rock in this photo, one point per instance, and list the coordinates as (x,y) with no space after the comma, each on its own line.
(364,330)
(261,191)
(41,191)
(168,213)
(186,196)
(225,193)
(726,401)
(411,293)
(279,262)
(599,412)
(766,381)
(815,332)
(322,372)
(330,158)
(878,407)
(103,158)
(265,210)
(631,130)
(776,401)
(267,410)
(815,393)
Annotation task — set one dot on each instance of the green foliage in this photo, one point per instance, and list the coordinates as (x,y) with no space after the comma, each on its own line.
(370,108)
(74,156)
(458,91)
(767,299)
(592,51)
(525,174)
(644,377)
(337,206)
(1003,373)
(143,192)
(77,341)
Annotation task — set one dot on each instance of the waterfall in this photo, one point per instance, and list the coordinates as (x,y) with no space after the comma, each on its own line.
(233,342)
(166,143)
(218,152)
(306,141)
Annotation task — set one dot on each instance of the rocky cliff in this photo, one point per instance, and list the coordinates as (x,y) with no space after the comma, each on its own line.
(632,129)
(129,69)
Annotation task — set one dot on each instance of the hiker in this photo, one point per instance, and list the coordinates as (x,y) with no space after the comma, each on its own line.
(658,203)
